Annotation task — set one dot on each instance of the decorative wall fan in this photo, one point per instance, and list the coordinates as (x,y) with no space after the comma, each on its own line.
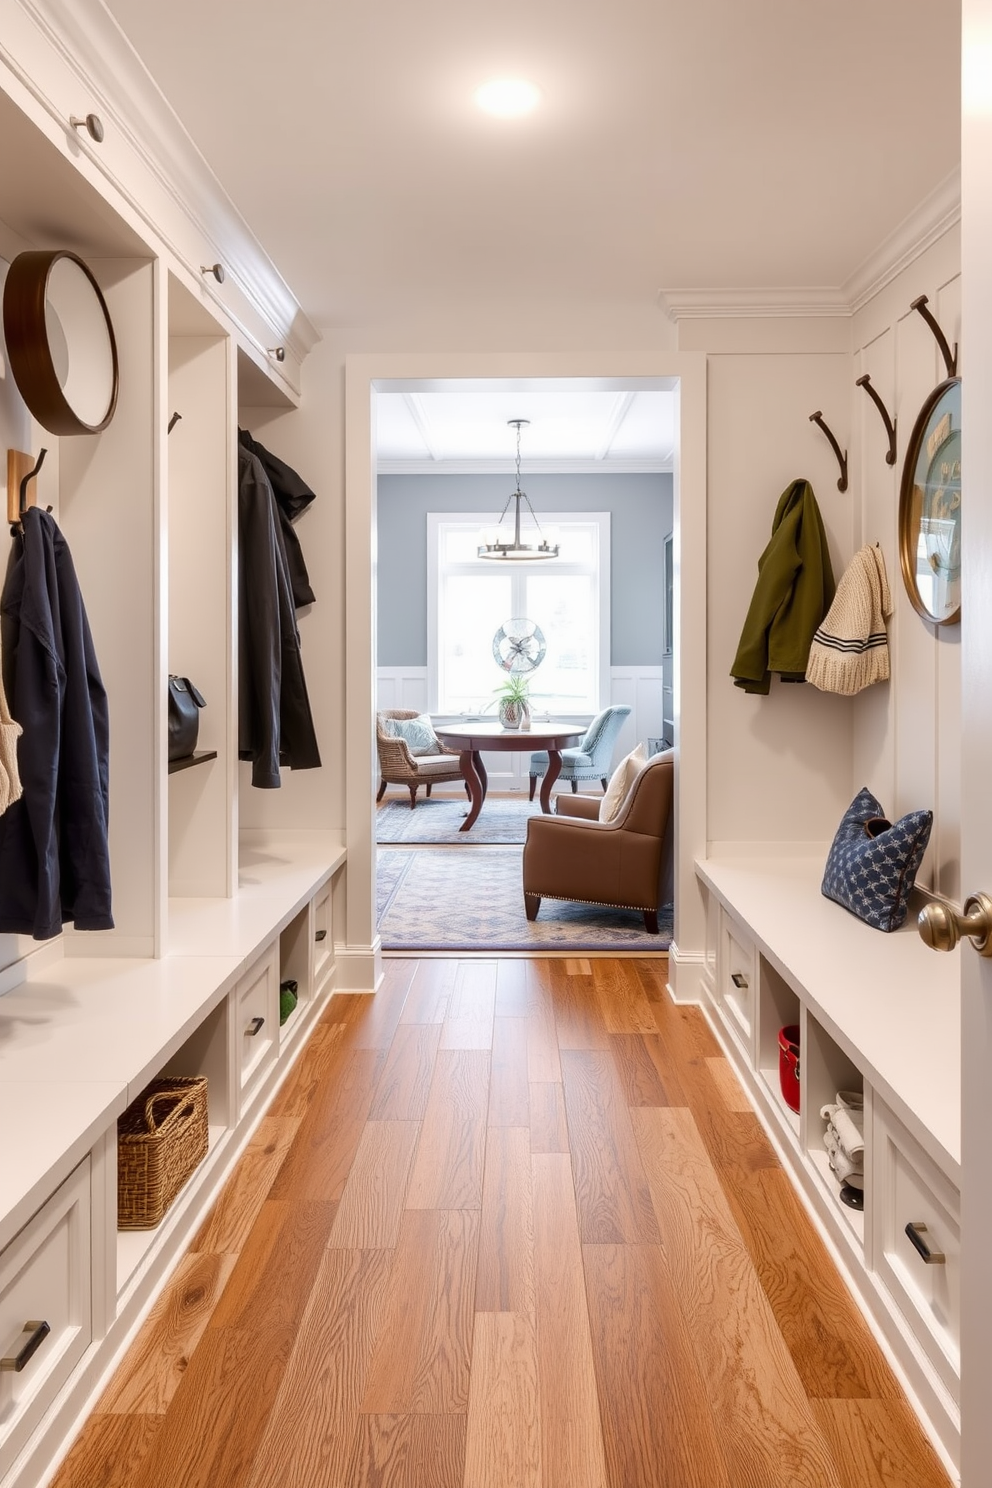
(519,646)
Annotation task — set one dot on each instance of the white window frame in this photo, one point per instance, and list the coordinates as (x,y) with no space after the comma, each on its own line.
(600,520)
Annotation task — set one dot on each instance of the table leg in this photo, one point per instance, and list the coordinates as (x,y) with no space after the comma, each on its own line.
(553,771)
(471,764)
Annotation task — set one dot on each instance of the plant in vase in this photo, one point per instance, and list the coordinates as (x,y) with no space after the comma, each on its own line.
(514,709)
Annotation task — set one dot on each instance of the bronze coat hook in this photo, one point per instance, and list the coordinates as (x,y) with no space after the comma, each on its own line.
(950,357)
(817,418)
(890,424)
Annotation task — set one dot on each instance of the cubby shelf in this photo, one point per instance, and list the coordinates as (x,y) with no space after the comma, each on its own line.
(198,757)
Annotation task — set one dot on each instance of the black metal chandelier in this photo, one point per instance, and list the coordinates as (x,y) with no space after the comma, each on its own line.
(503,548)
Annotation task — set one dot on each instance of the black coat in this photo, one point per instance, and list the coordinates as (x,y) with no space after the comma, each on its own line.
(275,725)
(293,496)
(54,853)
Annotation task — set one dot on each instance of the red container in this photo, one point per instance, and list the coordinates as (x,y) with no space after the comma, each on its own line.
(788,1065)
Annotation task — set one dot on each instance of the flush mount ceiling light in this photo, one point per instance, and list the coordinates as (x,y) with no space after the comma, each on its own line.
(499,544)
(508,98)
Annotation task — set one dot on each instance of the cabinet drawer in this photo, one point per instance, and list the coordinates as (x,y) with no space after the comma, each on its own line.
(913,1197)
(323,941)
(256,1021)
(735,981)
(45,1313)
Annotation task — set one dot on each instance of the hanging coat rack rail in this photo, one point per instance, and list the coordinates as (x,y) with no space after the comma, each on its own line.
(817,418)
(21,492)
(890,424)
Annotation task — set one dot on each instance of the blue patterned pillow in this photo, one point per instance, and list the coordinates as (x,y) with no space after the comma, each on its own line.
(872,864)
(418,733)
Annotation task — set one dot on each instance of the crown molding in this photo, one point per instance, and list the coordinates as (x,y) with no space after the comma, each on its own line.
(750,304)
(621,466)
(91,44)
(928,222)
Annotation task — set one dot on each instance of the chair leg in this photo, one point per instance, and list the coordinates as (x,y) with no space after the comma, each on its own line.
(533,787)
(532,903)
(382,791)
(413,796)
(428,787)
(651,921)
(604,783)
(575,787)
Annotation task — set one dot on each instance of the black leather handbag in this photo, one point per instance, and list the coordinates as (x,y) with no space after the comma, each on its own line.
(185,702)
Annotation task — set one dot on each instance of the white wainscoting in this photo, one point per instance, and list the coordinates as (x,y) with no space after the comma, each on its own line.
(641,688)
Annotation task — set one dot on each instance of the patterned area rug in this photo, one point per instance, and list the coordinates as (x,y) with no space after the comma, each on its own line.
(502,819)
(473,901)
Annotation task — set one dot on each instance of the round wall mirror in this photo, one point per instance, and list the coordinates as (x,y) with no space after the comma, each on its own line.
(930,508)
(60,342)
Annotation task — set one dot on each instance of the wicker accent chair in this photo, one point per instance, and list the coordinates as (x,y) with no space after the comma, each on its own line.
(397,766)
(591,758)
(623,863)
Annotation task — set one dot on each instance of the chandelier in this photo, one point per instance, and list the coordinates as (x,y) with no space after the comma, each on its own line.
(501,546)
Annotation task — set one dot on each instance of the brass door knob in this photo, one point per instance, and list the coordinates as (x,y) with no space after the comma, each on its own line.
(941,926)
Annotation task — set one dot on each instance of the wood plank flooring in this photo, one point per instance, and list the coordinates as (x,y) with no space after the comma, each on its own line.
(508,1224)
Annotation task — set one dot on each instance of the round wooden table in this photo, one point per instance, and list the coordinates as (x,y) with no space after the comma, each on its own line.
(471,738)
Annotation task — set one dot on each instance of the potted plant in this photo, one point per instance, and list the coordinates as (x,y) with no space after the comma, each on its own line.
(514,709)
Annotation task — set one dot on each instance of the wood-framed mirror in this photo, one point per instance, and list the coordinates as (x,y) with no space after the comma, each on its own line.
(60,342)
(930,508)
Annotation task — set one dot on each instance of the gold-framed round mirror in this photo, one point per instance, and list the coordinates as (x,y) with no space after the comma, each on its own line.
(60,342)
(930,508)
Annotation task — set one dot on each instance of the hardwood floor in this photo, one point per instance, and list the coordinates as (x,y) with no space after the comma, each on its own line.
(508,1224)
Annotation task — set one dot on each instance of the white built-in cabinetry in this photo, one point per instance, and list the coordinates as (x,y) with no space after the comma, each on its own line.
(880,1014)
(209,920)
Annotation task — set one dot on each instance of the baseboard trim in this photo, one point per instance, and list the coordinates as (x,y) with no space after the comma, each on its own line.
(358,968)
(685,975)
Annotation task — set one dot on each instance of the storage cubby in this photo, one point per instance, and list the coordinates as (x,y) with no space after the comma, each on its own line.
(296,964)
(207,1052)
(826,1070)
(778,1007)
(202,855)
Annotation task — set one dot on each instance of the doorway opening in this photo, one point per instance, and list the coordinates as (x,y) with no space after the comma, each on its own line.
(599,474)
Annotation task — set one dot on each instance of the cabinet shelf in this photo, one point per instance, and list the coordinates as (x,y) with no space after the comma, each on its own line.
(199,757)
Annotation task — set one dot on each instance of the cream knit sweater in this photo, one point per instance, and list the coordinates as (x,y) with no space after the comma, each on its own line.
(851,650)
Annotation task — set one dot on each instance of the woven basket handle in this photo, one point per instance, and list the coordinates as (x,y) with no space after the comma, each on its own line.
(158,1096)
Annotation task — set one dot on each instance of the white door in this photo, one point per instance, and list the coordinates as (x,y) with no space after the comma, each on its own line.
(976,751)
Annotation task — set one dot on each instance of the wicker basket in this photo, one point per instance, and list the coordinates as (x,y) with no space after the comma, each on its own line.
(161,1138)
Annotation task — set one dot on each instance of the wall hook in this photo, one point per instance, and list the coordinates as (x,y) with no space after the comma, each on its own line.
(817,418)
(21,471)
(215,270)
(173,422)
(890,424)
(950,357)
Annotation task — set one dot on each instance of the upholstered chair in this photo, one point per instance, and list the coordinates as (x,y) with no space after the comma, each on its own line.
(591,758)
(575,856)
(397,766)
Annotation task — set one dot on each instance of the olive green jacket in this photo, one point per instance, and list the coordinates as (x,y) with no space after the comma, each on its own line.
(795,589)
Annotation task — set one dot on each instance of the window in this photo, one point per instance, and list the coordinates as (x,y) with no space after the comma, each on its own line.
(469,598)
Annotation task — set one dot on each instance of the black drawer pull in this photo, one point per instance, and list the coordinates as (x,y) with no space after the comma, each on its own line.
(320,935)
(255,1026)
(738,978)
(932,1257)
(37,1333)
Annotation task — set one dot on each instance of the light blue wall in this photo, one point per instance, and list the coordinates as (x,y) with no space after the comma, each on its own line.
(641,516)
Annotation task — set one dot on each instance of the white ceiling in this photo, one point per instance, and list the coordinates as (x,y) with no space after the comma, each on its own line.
(681,143)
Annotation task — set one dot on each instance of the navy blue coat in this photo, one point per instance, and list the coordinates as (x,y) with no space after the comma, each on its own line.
(54,853)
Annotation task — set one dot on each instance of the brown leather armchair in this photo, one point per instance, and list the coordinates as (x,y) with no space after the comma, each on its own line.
(575,856)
